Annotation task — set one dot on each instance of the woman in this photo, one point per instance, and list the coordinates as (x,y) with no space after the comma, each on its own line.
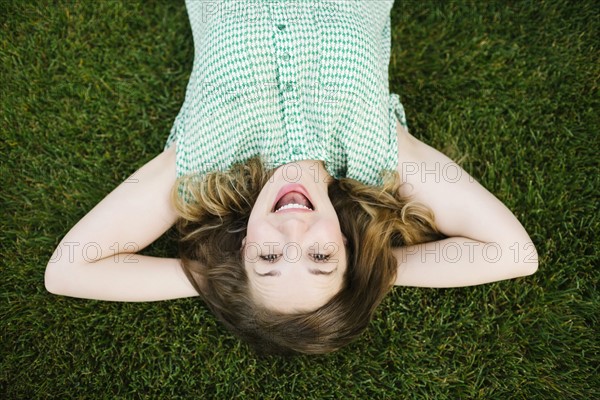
(299,194)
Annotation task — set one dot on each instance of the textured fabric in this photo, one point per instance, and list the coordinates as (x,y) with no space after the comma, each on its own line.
(303,80)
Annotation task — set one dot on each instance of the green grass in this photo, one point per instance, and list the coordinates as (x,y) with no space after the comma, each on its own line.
(89,90)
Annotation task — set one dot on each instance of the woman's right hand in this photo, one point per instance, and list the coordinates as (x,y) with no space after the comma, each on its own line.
(486,242)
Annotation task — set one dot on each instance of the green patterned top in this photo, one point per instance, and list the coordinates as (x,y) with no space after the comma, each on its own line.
(290,81)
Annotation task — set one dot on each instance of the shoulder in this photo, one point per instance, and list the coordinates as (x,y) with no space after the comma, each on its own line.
(411,158)
(461,206)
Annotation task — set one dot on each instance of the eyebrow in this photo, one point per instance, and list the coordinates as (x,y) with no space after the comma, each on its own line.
(312,271)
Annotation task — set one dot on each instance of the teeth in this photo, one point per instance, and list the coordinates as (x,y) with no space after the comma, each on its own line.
(288,206)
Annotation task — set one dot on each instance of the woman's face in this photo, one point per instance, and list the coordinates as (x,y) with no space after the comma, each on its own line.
(294,251)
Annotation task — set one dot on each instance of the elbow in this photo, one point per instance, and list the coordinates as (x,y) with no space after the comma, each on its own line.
(52,280)
(520,259)
(55,279)
(532,267)
(59,273)
(529,268)
(529,264)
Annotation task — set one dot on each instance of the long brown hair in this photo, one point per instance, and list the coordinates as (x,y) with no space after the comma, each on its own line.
(214,210)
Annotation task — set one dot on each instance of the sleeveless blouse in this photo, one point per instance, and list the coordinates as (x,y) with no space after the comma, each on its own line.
(289,81)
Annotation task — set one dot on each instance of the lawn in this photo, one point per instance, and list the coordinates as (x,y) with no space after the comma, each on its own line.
(88,93)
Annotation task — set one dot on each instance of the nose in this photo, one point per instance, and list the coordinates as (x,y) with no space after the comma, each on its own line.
(293,227)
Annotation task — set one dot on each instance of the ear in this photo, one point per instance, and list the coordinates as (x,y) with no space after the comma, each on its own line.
(243,243)
(345,240)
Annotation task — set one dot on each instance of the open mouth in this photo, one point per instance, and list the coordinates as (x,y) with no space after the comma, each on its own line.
(292,197)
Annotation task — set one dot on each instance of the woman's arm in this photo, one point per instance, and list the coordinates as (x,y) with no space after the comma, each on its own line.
(97,260)
(485,243)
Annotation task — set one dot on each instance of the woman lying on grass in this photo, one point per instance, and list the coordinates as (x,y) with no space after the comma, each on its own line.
(300,197)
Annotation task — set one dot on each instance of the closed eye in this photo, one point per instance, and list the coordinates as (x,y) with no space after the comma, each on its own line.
(270,258)
(321,257)
(318,257)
